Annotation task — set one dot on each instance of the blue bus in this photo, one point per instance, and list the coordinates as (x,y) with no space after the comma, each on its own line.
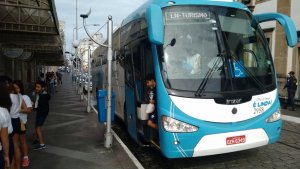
(216,83)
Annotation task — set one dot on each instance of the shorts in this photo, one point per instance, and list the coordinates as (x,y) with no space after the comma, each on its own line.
(16,124)
(40,120)
(23,128)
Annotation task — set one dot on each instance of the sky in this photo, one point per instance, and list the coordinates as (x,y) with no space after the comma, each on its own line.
(101,9)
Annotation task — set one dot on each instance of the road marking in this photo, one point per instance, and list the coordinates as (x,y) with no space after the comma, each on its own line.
(291,119)
(66,114)
(75,154)
(64,124)
(133,158)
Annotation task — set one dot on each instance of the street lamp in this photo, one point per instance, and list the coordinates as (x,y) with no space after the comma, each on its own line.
(108,134)
(80,89)
(73,64)
(83,27)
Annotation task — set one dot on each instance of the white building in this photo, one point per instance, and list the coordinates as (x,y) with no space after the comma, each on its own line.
(83,48)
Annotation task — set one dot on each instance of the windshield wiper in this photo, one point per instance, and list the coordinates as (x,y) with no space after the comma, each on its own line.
(221,49)
(208,75)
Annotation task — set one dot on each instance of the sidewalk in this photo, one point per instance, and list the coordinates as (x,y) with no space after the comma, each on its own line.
(288,111)
(74,138)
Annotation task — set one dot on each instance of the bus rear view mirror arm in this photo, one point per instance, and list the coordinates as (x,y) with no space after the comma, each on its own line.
(285,21)
(155,24)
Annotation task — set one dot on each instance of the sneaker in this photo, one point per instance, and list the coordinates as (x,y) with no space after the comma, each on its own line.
(40,147)
(25,162)
(35,142)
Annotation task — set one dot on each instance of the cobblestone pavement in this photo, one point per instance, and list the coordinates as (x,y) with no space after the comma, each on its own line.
(285,154)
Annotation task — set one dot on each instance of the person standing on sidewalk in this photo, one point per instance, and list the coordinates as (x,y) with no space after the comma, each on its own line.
(15,110)
(6,81)
(291,86)
(5,126)
(42,109)
(23,118)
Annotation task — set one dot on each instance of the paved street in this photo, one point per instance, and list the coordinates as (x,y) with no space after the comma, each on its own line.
(285,154)
(74,139)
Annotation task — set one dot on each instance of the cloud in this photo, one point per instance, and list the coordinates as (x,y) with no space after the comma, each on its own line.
(118,9)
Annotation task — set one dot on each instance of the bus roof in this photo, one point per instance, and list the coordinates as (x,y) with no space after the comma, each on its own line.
(140,12)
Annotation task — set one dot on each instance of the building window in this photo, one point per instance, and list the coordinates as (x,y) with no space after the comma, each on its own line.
(298,36)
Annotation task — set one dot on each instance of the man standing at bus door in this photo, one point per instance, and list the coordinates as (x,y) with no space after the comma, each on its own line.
(151,96)
(291,85)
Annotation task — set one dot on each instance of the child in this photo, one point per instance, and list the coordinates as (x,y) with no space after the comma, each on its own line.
(23,119)
(15,110)
(150,82)
(42,110)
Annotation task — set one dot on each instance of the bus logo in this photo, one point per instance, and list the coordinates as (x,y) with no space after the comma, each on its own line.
(233,101)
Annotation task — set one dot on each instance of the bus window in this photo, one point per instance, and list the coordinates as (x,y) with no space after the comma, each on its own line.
(128,68)
(134,63)
(148,62)
(147,65)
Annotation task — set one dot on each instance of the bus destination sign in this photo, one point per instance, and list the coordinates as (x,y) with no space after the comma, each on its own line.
(187,15)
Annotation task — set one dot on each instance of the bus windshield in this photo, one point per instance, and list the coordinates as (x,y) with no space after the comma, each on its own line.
(222,46)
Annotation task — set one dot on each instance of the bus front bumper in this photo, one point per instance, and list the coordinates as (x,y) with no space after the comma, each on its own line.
(230,142)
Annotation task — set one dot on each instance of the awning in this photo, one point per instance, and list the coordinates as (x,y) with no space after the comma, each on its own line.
(31,26)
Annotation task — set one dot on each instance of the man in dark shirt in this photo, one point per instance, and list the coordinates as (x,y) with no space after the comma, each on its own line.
(291,85)
(151,96)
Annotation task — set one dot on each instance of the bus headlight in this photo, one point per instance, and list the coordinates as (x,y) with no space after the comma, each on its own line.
(274,117)
(173,125)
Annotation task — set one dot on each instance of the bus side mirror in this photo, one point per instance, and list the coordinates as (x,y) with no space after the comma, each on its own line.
(285,21)
(155,24)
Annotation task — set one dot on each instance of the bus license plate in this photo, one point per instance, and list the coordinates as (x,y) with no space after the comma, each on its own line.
(235,140)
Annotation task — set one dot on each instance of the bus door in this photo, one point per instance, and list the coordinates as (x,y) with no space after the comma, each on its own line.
(138,60)
(132,86)
(147,68)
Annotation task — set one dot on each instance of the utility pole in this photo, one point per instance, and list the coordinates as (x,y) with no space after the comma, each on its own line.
(76,55)
(108,134)
(88,109)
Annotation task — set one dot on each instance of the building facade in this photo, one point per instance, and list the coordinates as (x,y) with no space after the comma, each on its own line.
(285,58)
(83,49)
